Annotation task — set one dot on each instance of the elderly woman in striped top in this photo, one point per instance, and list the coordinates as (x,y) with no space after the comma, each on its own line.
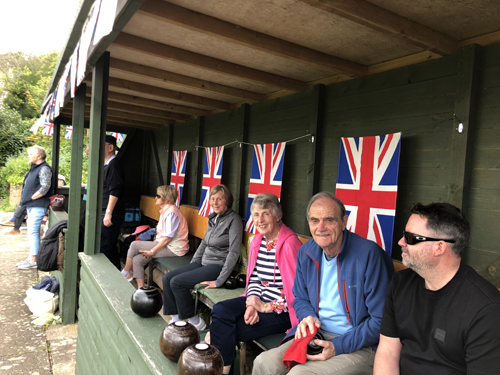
(266,306)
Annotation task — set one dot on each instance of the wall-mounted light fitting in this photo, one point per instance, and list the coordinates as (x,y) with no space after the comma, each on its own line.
(460,127)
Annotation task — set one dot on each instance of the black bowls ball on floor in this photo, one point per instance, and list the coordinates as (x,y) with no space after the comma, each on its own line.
(242,280)
(231,283)
(200,359)
(146,301)
(176,337)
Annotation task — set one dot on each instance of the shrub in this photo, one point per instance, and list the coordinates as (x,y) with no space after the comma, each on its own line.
(15,168)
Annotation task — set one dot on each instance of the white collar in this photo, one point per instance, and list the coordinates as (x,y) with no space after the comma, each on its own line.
(109,160)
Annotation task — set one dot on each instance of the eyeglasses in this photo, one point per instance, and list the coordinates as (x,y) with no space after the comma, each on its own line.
(157,196)
(413,239)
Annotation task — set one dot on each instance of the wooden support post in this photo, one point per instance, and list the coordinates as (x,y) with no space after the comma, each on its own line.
(240,197)
(68,295)
(462,145)
(145,161)
(170,153)
(126,143)
(56,142)
(198,160)
(315,129)
(154,150)
(98,113)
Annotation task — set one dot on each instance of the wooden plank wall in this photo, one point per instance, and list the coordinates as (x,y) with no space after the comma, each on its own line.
(417,100)
(484,206)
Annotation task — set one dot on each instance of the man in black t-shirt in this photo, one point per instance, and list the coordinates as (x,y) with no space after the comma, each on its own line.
(113,204)
(440,316)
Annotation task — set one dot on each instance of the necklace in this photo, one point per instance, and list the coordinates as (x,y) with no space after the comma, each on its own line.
(270,245)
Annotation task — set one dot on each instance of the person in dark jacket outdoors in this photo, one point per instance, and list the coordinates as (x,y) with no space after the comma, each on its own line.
(36,198)
(213,262)
(113,203)
(340,287)
(266,306)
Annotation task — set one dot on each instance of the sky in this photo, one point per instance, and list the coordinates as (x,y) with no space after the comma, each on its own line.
(36,26)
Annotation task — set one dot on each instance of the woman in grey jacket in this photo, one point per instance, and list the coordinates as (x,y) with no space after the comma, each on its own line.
(212,263)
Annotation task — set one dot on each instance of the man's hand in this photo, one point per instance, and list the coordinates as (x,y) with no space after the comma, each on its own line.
(251,316)
(256,303)
(209,284)
(107,220)
(327,353)
(306,326)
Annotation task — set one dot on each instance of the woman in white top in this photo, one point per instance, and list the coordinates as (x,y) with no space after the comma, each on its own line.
(171,237)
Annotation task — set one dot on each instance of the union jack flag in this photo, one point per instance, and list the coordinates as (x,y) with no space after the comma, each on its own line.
(367,184)
(212,173)
(48,128)
(266,175)
(119,137)
(69,132)
(178,174)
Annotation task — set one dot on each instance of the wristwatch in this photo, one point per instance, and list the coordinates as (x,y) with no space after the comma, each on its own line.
(108,211)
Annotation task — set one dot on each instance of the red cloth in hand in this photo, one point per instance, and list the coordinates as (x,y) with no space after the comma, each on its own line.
(297,352)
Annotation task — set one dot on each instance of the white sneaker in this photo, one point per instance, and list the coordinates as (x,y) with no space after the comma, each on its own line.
(201,325)
(27,265)
(22,262)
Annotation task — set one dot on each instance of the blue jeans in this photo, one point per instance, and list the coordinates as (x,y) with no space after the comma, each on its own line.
(228,326)
(177,297)
(35,217)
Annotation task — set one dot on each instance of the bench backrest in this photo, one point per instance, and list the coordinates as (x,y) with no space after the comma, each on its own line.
(197,224)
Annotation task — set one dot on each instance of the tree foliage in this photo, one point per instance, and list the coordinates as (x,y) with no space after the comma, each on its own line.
(25,81)
(13,133)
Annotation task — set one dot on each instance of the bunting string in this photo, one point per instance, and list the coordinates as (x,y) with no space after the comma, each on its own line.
(253,144)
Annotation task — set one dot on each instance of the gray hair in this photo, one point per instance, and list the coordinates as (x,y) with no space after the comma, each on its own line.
(328,195)
(268,200)
(40,151)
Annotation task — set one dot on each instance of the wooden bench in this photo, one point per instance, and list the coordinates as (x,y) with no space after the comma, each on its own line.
(196,224)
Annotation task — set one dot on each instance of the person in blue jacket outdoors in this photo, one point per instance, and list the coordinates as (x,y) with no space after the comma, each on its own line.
(37,189)
(340,287)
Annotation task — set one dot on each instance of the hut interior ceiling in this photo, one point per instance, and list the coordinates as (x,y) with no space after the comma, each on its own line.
(179,59)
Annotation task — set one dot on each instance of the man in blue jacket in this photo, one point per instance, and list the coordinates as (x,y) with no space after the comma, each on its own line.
(340,287)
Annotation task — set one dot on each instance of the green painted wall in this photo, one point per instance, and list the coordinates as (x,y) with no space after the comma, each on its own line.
(484,204)
(111,338)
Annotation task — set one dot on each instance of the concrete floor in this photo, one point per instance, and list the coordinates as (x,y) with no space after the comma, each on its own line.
(24,347)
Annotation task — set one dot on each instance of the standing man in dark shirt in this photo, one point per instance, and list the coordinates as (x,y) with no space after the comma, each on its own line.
(113,204)
(440,317)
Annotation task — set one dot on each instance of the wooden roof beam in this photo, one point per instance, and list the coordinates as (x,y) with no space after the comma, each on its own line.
(150,103)
(387,22)
(165,51)
(143,110)
(132,116)
(192,20)
(170,94)
(179,79)
(112,120)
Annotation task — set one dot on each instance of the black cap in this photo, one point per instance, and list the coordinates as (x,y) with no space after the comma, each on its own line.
(112,141)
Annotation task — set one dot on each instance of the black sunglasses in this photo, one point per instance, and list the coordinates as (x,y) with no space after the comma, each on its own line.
(413,239)
(157,196)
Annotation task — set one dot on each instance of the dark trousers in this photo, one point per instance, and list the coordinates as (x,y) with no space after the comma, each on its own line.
(19,215)
(109,238)
(228,326)
(177,297)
